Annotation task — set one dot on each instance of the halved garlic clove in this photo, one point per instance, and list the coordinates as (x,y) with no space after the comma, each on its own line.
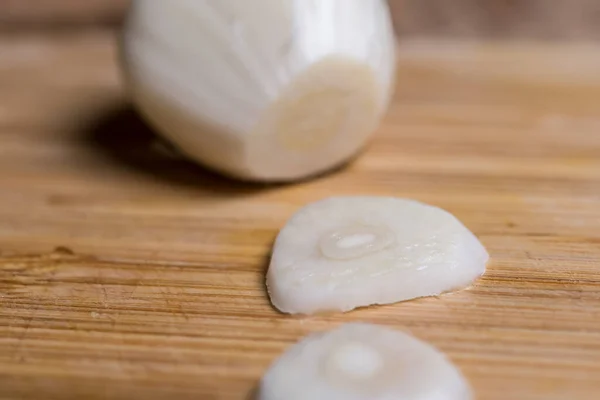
(269,90)
(363,362)
(347,252)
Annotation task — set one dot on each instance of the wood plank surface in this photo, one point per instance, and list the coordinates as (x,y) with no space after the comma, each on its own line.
(126,273)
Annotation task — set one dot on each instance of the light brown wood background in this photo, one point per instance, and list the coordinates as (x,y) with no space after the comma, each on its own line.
(128,274)
(532,19)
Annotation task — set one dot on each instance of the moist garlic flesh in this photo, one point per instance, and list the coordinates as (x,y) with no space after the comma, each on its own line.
(363,362)
(270,90)
(347,252)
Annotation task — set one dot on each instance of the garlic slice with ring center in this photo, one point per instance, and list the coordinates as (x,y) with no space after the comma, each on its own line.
(343,253)
(363,362)
(355,241)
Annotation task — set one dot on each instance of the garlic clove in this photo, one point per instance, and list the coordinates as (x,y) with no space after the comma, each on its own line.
(270,90)
(363,362)
(347,252)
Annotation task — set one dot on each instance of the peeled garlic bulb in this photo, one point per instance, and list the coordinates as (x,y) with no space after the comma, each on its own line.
(363,362)
(269,90)
(346,252)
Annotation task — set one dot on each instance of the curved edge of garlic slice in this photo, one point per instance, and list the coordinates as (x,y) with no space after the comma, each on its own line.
(363,362)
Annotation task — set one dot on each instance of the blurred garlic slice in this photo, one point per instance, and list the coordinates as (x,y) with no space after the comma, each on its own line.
(347,252)
(269,90)
(363,362)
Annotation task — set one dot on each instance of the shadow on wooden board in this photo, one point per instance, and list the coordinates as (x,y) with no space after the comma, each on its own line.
(123,137)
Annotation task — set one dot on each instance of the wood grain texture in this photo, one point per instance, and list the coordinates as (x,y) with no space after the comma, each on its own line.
(125,273)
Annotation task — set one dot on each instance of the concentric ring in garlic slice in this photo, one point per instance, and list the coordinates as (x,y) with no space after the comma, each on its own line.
(353,241)
(347,252)
(363,362)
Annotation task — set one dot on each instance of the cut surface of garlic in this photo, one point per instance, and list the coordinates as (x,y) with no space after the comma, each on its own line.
(363,362)
(347,252)
(350,242)
(270,90)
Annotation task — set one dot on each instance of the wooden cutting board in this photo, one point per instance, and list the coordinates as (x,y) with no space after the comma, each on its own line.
(128,274)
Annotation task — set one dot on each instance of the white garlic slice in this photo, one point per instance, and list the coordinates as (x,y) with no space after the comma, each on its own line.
(363,362)
(270,90)
(347,252)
